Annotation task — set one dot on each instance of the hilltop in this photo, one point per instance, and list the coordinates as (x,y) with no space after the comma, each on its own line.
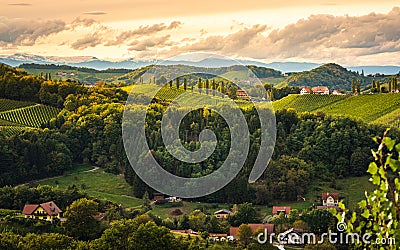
(331,75)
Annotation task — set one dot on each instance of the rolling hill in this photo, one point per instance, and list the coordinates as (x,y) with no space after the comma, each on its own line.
(331,75)
(379,108)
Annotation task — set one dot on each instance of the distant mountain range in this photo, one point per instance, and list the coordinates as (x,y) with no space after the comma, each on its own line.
(94,62)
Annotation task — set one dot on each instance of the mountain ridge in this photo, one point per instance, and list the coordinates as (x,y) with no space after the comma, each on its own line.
(130,63)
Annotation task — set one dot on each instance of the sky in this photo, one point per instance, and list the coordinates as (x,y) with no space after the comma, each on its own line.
(346,32)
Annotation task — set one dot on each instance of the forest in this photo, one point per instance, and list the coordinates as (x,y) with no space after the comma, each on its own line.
(309,147)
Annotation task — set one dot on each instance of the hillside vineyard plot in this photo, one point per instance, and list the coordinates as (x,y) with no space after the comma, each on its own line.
(32,116)
(6,105)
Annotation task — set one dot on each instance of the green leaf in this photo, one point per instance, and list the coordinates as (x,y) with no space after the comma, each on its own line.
(394,164)
(362,203)
(372,168)
(376,179)
(389,143)
(365,214)
(398,147)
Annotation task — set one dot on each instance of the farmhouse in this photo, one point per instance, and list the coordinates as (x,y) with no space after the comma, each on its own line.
(330,199)
(241,93)
(336,92)
(223,213)
(158,196)
(320,90)
(277,210)
(305,90)
(46,211)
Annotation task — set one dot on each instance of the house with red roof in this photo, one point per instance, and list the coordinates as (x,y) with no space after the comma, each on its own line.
(277,210)
(330,199)
(320,90)
(305,90)
(242,94)
(45,211)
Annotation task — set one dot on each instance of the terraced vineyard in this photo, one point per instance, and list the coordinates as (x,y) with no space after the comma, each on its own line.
(11,104)
(309,103)
(17,116)
(32,116)
(12,130)
(380,108)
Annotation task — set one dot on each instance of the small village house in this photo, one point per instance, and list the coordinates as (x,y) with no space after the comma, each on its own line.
(330,199)
(48,211)
(242,94)
(305,90)
(336,92)
(223,213)
(277,210)
(320,90)
(158,196)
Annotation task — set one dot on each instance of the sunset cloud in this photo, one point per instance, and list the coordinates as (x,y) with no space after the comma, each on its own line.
(87,41)
(20,31)
(143,31)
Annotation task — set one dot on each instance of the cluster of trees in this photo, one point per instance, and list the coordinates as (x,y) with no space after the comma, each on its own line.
(18,85)
(67,67)
(309,147)
(32,155)
(16,198)
(331,75)
(385,85)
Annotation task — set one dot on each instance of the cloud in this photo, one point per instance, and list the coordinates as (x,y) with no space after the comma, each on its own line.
(20,4)
(20,31)
(236,43)
(95,13)
(85,22)
(143,31)
(316,38)
(372,33)
(147,44)
(91,40)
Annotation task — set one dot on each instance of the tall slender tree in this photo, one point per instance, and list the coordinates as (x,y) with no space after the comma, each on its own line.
(200,85)
(184,83)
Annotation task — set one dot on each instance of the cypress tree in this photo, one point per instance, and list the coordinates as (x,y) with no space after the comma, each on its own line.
(199,85)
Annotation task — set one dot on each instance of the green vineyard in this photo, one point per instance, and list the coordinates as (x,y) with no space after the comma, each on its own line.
(6,105)
(12,130)
(32,116)
(379,108)
(309,103)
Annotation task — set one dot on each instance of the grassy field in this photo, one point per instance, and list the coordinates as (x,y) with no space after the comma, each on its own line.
(380,108)
(99,184)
